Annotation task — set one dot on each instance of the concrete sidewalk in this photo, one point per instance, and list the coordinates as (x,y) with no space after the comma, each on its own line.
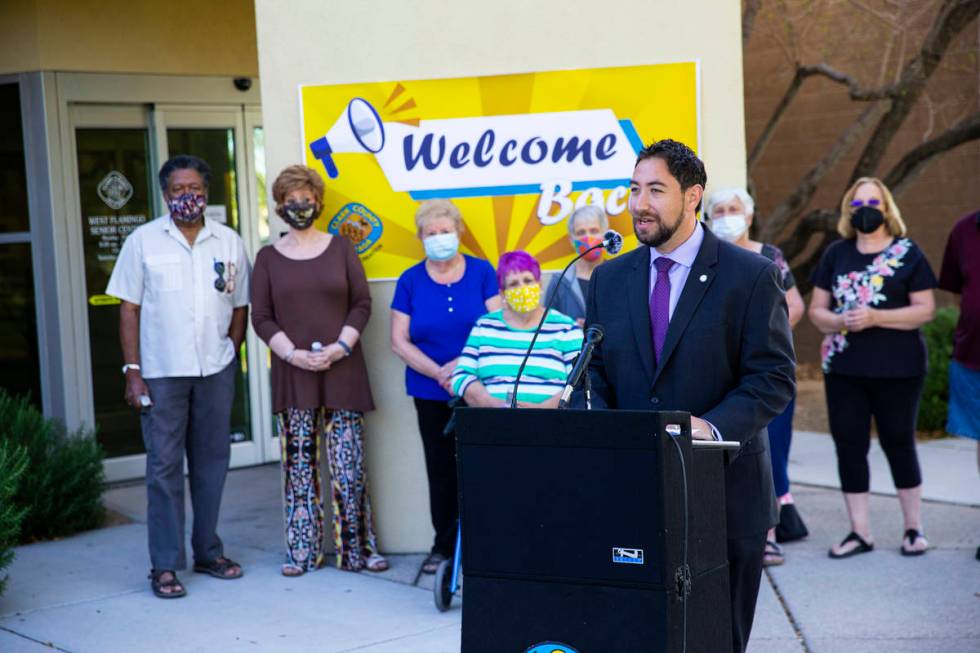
(949,467)
(89,593)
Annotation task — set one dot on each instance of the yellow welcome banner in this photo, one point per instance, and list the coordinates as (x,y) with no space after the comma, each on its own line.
(516,153)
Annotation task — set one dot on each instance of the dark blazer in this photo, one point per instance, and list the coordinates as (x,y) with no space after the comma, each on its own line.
(569,300)
(727,358)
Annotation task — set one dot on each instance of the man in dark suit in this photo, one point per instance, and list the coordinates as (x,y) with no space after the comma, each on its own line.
(696,324)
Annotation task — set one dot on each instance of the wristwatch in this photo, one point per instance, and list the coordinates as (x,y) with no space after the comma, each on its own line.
(345,347)
(130,366)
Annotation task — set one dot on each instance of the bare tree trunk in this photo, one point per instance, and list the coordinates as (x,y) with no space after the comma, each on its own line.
(793,205)
(816,221)
(952,17)
(803,72)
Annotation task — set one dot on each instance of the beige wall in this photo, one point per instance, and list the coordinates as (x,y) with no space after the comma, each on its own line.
(129,36)
(374,40)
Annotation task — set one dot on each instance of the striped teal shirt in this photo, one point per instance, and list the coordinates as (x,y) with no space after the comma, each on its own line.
(494,351)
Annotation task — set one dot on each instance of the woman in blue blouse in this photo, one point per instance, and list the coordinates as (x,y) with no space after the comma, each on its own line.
(436,303)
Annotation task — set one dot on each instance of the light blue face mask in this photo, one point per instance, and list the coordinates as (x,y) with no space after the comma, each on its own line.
(441,247)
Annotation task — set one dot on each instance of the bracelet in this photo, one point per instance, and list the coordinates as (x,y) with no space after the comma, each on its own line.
(289,357)
(345,347)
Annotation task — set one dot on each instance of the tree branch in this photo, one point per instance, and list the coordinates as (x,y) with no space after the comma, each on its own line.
(783,214)
(856,92)
(816,221)
(952,17)
(803,72)
(903,172)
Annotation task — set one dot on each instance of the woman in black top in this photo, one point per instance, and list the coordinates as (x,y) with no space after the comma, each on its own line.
(872,291)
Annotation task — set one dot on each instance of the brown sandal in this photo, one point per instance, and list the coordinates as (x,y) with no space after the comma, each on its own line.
(219,568)
(173,584)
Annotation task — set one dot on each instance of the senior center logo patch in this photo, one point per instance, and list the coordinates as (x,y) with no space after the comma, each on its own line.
(358,224)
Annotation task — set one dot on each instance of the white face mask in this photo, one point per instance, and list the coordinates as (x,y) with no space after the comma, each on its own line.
(441,247)
(729,227)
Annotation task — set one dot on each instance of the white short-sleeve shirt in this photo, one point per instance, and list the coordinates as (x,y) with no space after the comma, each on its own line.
(184,317)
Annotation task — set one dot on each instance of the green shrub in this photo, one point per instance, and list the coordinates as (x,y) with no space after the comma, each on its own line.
(13,462)
(935,393)
(62,488)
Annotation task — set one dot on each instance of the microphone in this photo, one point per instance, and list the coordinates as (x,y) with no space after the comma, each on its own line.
(612,242)
(593,336)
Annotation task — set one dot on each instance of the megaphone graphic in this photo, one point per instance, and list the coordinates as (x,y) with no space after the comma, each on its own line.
(359,128)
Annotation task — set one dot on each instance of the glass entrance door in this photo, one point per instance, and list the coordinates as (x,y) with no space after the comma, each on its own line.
(114,182)
(218,135)
(19,352)
(118,151)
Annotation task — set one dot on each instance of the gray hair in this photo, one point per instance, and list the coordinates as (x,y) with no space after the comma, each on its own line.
(728,194)
(588,211)
(432,209)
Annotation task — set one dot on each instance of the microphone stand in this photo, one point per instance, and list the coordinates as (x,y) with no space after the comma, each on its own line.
(587,387)
(593,336)
(544,316)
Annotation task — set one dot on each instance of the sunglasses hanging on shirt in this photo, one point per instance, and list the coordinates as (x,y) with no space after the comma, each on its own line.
(224,283)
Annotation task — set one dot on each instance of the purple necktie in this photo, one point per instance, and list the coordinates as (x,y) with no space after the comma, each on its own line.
(660,305)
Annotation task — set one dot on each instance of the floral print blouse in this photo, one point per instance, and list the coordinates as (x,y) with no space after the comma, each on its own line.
(882,280)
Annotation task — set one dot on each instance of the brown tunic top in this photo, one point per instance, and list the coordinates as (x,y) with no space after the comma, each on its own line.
(313,300)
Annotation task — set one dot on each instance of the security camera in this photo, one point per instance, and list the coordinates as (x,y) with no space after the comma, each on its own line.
(243,83)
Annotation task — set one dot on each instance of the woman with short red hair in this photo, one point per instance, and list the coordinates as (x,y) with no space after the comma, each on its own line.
(310,303)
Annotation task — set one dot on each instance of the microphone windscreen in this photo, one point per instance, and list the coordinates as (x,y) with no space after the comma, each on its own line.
(612,241)
(594,334)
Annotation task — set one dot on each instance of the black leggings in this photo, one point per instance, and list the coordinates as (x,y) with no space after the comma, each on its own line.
(440,466)
(894,403)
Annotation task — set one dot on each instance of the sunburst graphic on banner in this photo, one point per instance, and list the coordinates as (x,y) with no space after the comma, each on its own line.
(659,101)
(396,111)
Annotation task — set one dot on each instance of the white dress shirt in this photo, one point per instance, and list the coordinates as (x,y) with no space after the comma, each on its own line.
(184,318)
(683,257)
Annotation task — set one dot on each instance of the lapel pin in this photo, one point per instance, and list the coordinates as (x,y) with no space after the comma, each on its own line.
(703,278)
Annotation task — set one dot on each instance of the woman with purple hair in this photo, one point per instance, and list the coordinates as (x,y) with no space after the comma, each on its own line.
(487,368)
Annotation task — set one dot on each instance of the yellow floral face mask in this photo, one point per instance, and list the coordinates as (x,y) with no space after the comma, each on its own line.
(523,299)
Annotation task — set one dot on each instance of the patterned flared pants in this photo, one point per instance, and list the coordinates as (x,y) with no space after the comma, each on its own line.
(300,434)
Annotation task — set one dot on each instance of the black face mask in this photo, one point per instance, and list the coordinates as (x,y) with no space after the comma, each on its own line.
(867,219)
(298,215)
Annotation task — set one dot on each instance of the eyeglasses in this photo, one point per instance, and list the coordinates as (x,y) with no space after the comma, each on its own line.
(219,269)
(856,204)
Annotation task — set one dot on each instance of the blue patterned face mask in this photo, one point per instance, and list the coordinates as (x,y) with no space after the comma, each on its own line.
(441,247)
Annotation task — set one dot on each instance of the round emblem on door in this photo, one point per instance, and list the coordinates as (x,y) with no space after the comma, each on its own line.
(115,190)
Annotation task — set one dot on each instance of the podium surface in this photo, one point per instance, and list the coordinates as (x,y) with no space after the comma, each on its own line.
(573,532)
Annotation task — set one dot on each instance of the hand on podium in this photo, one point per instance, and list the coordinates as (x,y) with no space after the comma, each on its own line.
(701,430)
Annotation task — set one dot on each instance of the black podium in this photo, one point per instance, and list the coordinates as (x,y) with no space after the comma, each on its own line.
(573,533)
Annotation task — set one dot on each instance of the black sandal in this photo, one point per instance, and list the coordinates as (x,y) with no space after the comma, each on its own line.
(159,585)
(912,535)
(862,547)
(218,567)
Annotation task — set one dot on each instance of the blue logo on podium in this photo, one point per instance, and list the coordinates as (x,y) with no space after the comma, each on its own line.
(551,647)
